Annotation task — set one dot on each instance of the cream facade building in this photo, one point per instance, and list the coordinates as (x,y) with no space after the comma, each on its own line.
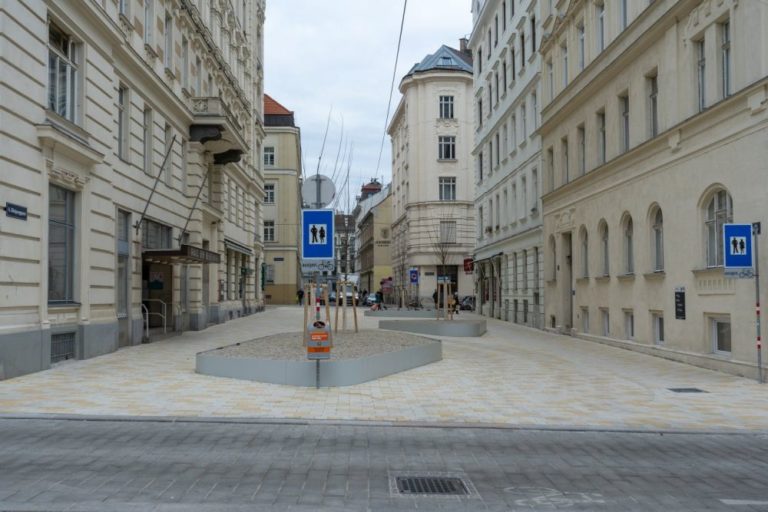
(282,203)
(119,242)
(375,238)
(507,156)
(653,135)
(433,219)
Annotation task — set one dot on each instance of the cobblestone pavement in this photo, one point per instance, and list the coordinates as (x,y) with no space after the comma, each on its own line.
(111,466)
(511,376)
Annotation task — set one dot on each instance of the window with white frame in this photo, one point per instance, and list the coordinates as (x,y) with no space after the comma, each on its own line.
(198,77)
(524,275)
(565,162)
(269,156)
(719,211)
(601,149)
(535,189)
(269,231)
(584,240)
(123,285)
(564,53)
(657,319)
(535,108)
(600,36)
(624,122)
(657,241)
(581,41)
(604,246)
(585,319)
(498,148)
(701,74)
(168,50)
(551,80)
(63,73)
(447,188)
(720,333)
(725,58)
(653,105)
(123,122)
(61,244)
(629,254)
(498,212)
(446,107)
(523,125)
(148,136)
(446,147)
(581,139)
(629,325)
(623,14)
(184,63)
(168,156)
(149,17)
(269,193)
(122,7)
(606,321)
(447,231)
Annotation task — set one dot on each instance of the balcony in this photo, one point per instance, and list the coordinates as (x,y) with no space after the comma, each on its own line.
(215,127)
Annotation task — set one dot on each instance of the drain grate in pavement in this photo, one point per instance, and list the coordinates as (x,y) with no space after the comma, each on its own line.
(431,485)
(687,390)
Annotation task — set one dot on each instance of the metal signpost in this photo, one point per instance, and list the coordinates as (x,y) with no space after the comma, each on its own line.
(741,262)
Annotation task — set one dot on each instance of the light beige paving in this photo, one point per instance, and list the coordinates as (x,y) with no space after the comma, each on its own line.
(512,375)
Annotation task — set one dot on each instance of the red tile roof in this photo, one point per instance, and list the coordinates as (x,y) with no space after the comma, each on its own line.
(271,107)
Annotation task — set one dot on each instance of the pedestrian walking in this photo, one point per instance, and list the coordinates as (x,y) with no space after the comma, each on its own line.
(300,296)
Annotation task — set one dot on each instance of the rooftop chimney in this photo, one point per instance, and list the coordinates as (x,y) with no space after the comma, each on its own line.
(463,42)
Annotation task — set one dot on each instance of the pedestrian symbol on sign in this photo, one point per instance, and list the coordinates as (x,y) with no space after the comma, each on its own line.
(317,234)
(738,245)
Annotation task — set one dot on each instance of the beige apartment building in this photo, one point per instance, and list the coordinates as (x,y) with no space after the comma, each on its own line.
(375,237)
(507,152)
(654,127)
(120,244)
(282,203)
(433,221)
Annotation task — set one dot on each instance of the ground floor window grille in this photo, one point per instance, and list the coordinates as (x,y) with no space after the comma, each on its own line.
(62,347)
(721,335)
(584,320)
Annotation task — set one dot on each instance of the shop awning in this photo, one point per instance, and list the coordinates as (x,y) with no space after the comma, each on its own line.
(237,247)
(184,254)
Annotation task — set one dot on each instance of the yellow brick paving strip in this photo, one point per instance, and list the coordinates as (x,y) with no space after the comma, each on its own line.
(512,375)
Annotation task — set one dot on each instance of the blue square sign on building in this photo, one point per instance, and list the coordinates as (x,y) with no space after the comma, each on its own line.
(317,240)
(737,250)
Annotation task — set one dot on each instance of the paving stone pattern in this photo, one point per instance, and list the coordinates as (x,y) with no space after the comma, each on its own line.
(107,466)
(510,376)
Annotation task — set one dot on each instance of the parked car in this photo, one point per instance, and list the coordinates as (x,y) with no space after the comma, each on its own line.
(467,303)
(371,299)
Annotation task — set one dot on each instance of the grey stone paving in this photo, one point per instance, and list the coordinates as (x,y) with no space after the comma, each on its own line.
(54,465)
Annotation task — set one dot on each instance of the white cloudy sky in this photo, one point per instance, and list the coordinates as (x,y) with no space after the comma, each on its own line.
(340,54)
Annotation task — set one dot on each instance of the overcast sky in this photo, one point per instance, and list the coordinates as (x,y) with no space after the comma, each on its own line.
(339,54)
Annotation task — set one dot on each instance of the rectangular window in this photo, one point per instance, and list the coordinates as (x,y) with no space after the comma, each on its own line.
(123,118)
(269,193)
(168,51)
(447,188)
(606,322)
(535,108)
(184,161)
(148,141)
(523,125)
(514,273)
(480,222)
(629,325)
(582,56)
(447,231)
(551,80)
(269,156)
(653,106)
(498,212)
(564,52)
(721,334)
(624,122)
(63,74)
(504,73)
(198,77)
(533,34)
(446,147)
(61,244)
(525,271)
(479,113)
(522,51)
(269,231)
(269,274)
(498,148)
(184,63)
(480,166)
(658,327)
(601,153)
(122,290)
(513,126)
(585,320)
(122,7)
(600,15)
(496,79)
(550,169)
(168,156)
(149,17)
(536,274)
(514,64)
(623,14)
(446,107)
(701,74)
(582,141)
(564,153)
(155,235)
(725,58)
(535,190)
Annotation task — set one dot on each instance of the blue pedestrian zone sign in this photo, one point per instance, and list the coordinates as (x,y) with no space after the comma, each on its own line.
(737,250)
(317,240)
(414,275)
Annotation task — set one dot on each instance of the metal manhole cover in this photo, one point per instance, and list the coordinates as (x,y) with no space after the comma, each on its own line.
(430,484)
(687,390)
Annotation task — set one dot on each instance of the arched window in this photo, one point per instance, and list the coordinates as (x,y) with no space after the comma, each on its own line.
(629,257)
(719,211)
(584,240)
(604,250)
(657,240)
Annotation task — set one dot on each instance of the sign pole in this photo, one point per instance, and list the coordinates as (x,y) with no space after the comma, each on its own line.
(755,233)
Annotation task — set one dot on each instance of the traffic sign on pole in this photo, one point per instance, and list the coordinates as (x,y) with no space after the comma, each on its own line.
(317,235)
(737,251)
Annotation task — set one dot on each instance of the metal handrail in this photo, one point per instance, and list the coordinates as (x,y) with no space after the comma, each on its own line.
(164,314)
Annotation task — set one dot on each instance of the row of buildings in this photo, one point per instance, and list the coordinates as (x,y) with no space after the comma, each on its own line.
(612,140)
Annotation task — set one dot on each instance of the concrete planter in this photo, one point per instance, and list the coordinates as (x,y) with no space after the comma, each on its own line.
(333,373)
(458,328)
(402,313)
